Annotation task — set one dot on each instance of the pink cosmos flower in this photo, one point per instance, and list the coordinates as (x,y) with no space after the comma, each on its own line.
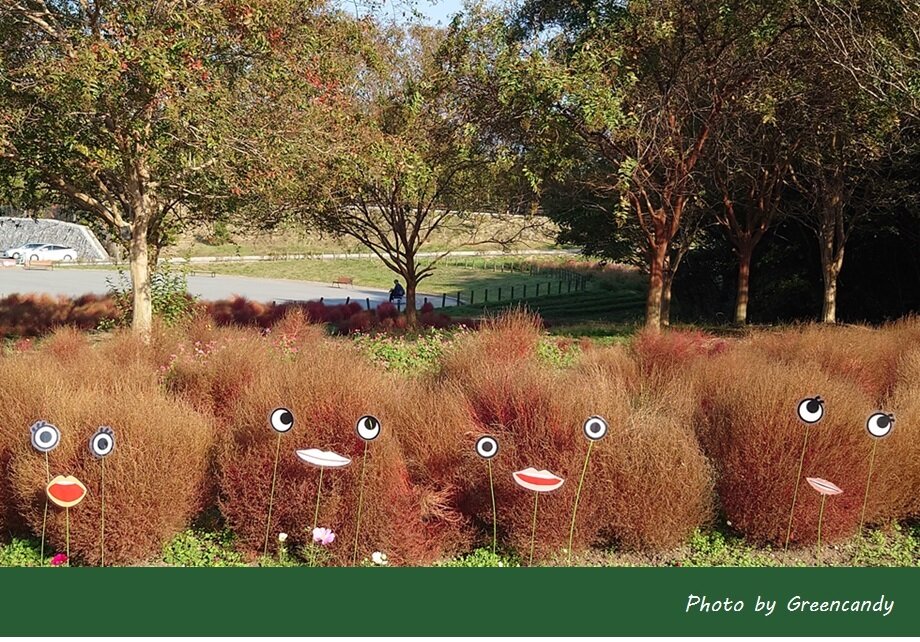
(58,559)
(323,536)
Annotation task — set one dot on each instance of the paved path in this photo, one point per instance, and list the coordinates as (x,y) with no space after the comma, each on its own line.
(356,255)
(75,282)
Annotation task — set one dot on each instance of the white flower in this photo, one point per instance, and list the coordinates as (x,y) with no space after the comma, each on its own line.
(501,565)
(379,558)
(282,537)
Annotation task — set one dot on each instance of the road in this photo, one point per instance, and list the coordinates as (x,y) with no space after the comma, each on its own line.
(76,282)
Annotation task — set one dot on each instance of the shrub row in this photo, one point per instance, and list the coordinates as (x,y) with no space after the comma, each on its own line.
(698,426)
(34,315)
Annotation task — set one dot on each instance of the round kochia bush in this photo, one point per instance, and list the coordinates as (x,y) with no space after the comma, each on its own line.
(327,386)
(749,427)
(648,484)
(154,477)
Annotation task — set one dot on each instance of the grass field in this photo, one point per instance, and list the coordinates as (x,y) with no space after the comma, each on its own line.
(449,278)
(205,241)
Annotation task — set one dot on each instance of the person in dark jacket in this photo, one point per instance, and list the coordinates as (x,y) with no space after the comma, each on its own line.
(397,292)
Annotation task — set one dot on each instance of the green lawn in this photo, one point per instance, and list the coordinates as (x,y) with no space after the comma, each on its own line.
(481,281)
(577,310)
(203,241)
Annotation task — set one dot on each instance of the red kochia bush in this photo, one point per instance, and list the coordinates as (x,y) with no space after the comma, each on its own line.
(33,315)
(668,353)
(155,476)
(648,484)
(864,356)
(328,387)
(749,426)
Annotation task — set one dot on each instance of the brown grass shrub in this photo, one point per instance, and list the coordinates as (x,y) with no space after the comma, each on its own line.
(749,426)
(536,413)
(894,491)
(33,315)
(865,356)
(154,478)
(328,386)
(665,355)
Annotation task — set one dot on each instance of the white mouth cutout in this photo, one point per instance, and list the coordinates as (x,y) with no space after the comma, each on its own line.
(323,458)
(539,474)
(823,486)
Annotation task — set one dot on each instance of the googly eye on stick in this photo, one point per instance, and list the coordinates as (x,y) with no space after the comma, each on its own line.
(595,429)
(810,411)
(101,445)
(281,421)
(368,429)
(45,437)
(879,425)
(321,459)
(487,448)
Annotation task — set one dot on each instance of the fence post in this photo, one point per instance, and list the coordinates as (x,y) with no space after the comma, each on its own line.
(499,294)
(368,303)
(560,287)
(538,288)
(525,291)
(472,296)
(486,300)
(347,300)
(458,297)
(512,293)
(444,300)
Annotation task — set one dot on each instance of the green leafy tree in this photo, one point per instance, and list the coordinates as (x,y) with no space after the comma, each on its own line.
(139,112)
(643,86)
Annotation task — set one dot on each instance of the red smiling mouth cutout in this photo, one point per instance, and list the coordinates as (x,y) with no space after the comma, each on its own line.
(66,491)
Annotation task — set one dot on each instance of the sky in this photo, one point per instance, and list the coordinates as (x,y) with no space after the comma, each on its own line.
(440,11)
(434,11)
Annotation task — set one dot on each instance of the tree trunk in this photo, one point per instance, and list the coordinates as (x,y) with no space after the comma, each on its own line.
(411,316)
(666,282)
(655,287)
(744,281)
(411,286)
(831,272)
(142,319)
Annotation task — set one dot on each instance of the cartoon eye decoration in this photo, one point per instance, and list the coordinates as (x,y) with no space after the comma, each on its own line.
(595,428)
(45,436)
(102,442)
(486,447)
(281,419)
(368,428)
(880,424)
(811,410)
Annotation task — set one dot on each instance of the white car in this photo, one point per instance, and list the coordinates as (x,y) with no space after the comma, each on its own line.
(19,252)
(51,253)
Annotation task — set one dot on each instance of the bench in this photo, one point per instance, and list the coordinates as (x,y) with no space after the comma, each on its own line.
(343,280)
(39,265)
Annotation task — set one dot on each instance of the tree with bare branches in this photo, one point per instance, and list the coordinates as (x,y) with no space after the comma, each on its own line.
(400,165)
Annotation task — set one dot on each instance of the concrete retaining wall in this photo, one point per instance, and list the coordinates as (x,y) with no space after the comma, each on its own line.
(19,231)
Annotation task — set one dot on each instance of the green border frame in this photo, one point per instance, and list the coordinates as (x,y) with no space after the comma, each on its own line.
(447,602)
